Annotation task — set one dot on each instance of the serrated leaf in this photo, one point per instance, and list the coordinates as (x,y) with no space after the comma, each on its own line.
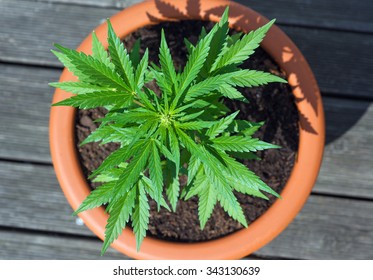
(119,215)
(244,127)
(95,71)
(234,38)
(241,144)
(81,88)
(166,62)
(150,189)
(242,49)
(190,47)
(132,172)
(140,216)
(249,183)
(218,42)
(204,87)
(196,125)
(107,133)
(226,196)
(155,171)
(97,197)
(135,54)
(95,99)
(141,70)
(120,58)
(193,166)
(174,148)
(206,202)
(172,184)
(221,125)
(117,157)
(99,52)
(230,92)
(194,65)
(133,116)
(250,78)
(189,117)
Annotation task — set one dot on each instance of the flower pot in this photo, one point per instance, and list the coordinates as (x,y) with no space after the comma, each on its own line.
(302,178)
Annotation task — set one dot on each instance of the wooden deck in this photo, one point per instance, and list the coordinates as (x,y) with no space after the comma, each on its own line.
(337,40)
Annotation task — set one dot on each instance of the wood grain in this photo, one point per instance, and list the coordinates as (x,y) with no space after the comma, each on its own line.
(347,15)
(16,245)
(30,31)
(327,227)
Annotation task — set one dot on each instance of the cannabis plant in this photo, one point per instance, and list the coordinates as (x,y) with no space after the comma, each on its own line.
(184,128)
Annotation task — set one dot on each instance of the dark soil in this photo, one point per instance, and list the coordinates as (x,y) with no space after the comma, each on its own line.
(274,104)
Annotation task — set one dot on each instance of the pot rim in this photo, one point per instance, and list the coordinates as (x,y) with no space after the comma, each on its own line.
(297,188)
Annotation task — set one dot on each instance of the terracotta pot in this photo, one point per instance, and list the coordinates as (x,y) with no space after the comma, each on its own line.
(303,176)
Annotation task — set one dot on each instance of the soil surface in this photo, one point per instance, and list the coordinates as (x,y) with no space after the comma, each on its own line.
(274,104)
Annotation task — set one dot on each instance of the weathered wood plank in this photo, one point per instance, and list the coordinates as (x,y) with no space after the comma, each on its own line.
(348,157)
(16,245)
(25,104)
(24,130)
(347,15)
(31,198)
(32,30)
(97,3)
(327,228)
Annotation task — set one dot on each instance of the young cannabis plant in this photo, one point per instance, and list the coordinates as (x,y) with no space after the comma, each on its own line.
(183,129)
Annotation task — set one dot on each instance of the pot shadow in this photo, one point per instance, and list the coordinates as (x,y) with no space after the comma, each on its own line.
(339,118)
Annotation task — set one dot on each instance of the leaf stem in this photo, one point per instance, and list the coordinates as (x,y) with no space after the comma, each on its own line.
(138,103)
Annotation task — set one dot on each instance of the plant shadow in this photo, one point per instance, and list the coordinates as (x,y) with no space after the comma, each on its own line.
(335,128)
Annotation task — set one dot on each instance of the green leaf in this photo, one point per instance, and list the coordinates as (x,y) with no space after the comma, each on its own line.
(172,184)
(244,180)
(175,148)
(140,216)
(218,42)
(95,99)
(99,52)
(242,49)
(81,88)
(206,203)
(194,164)
(133,171)
(150,189)
(196,125)
(244,127)
(120,213)
(250,78)
(110,175)
(117,157)
(241,144)
(190,47)
(97,197)
(140,115)
(135,54)
(155,171)
(141,70)
(194,65)
(189,117)
(166,62)
(231,92)
(226,196)
(95,71)
(234,38)
(108,133)
(221,125)
(203,88)
(120,58)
